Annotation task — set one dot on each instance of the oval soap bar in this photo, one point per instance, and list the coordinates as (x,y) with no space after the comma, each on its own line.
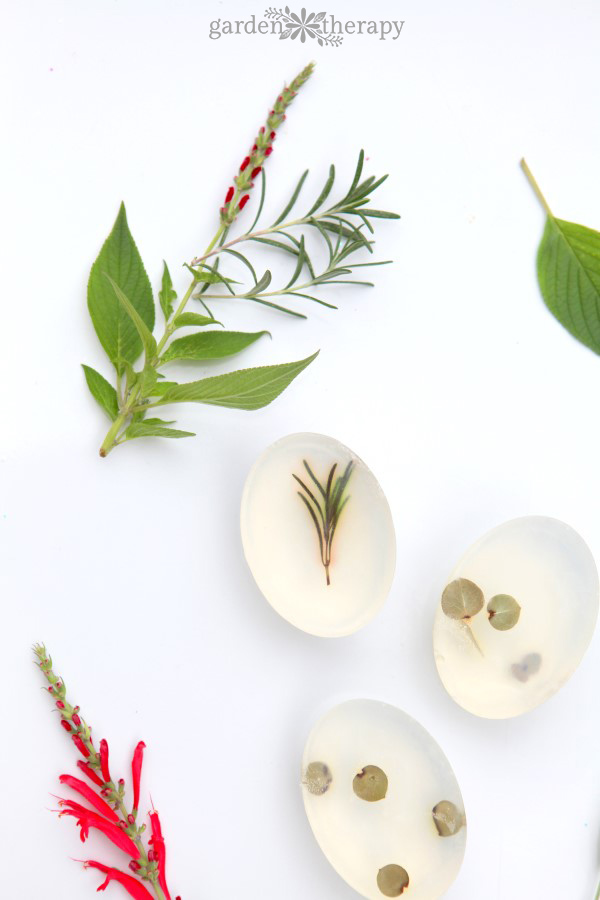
(318,534)
(383,802)
(516,616)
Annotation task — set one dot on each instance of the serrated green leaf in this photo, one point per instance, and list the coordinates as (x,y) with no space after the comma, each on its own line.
(210,345)
(147,428)
(166,295)
(148,378)
(191,318)
(568,267)
(102,391)
(245,389)
(120,260)
(161,388)
(142,329)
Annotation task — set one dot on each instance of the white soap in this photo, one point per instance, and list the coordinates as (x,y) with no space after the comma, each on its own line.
(281,542)
(549,571)
(392,844)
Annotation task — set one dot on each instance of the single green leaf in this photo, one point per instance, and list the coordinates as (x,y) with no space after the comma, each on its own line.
(324,193)
(299,265)
(503,612)
(191,318)
(358,172)
(161,388)
(144,332)
(149,428)
(263,189)
(120,260)
(210,345)
(568,268)
(462,599)
(243,259)
(148,378)
(244,389)
(102,391)
(379,214)
(261,284)
(166,295)
(293,199)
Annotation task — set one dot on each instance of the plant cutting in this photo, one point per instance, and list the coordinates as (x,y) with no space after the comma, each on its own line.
(122,307)
(105,809)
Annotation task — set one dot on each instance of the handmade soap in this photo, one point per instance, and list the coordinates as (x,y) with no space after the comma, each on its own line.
(383,802)
(515,617)
(318,535)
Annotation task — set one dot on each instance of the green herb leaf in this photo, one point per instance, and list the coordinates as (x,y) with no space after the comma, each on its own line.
(142,329)
(568,267)
(120,260)
(462,599)
(166,295)
(244,389)
(210,345)
(503,612)
(191,318)
(152,428)
(102,391)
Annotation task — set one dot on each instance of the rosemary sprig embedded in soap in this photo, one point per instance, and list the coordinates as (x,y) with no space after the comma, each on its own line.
(325,510)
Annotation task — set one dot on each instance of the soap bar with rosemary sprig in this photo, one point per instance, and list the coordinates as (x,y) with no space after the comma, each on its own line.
(318,534)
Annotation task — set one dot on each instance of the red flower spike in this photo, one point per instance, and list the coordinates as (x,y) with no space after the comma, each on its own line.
(131,884)
(229,195)
(256,172)
(89,772)
(80,745)
(245,163)
(90,795)
(65,725)
(158,844)
(104,761)
(136,772)
(243,201)
(87,819)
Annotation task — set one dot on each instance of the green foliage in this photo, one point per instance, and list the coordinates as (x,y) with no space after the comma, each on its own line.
(210,345)
(120,260)
(102,391)
(167,295)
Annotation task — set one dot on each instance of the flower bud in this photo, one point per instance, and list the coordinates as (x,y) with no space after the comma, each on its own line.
(75,718)
(229,195)
(65,725)
(60,704)
(243,201)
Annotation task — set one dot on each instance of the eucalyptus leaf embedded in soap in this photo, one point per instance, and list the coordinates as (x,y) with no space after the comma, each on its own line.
(390,818)
(318,534)
(535,585)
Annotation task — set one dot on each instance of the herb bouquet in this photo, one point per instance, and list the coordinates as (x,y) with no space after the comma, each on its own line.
(122,307)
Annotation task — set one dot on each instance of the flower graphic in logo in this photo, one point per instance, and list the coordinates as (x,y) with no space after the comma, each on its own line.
(300,26)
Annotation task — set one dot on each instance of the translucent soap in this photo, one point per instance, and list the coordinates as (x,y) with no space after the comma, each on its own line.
(318,534)
(383,802)
(516,617)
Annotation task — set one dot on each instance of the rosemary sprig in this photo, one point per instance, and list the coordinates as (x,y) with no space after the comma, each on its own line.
(325,510)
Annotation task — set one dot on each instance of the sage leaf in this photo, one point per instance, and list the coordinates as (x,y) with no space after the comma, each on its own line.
(210,345)
(154,428)
(568,269)
(120,260)
(102,391)
(244,389)
(503,612)
(167,295)
(142,329)
(462,599)
(190,318)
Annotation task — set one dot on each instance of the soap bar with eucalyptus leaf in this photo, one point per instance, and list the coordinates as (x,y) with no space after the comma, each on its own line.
(318,534)
(383,802)
(516,616)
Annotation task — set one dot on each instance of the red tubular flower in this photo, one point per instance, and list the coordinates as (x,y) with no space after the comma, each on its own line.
(256,172)
(131,884)
(89,772)
(90,795)
(76,719)
(104,760)
(245,163)
(65,725)
(243,201)
(60,704)
(158,844)
(80,745)
(229,195)
(136,772)
(87,819)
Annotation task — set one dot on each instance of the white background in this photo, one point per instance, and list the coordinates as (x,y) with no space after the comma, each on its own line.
(451,379)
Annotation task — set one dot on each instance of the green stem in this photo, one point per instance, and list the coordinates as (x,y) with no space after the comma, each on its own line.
(536,188)
(597,897)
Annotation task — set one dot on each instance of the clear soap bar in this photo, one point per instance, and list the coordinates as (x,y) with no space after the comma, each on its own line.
(318,534)
(516,616)
(383,802)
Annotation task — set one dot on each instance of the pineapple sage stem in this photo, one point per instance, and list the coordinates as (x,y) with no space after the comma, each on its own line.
(236,198)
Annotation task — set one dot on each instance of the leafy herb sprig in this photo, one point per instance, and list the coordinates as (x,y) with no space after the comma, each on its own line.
(326,509)
(568,269)
(122,308)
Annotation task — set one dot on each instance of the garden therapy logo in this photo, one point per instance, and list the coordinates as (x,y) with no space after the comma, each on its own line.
(321,27)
